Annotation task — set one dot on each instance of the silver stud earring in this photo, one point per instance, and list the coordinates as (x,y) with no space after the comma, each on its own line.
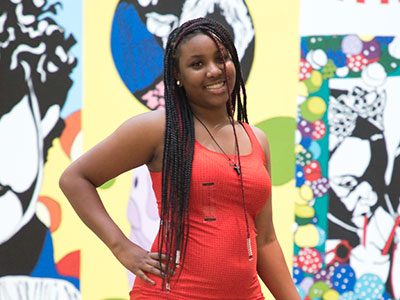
(178,83)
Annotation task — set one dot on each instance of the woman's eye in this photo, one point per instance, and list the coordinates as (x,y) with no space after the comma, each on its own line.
(196,64)
(222,60)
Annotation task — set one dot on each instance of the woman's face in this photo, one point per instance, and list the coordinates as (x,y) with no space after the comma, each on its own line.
(201,72)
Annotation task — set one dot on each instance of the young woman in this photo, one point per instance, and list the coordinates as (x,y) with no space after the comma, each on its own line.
(210,175)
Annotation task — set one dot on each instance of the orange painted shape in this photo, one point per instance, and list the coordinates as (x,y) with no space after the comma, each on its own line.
(70,264)
(54,210)
(72,128)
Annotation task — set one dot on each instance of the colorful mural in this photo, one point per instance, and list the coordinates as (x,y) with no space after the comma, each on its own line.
(36,63)
(347,167)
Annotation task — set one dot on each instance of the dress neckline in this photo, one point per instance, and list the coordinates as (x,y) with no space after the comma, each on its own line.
(228,154)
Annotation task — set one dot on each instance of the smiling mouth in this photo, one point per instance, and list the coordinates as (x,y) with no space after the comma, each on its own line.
(215,85)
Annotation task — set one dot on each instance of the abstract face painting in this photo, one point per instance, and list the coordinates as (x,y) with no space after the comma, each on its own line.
(363,170)
(35,65)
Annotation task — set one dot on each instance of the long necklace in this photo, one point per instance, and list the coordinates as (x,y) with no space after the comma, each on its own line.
(232,163)
(237,168)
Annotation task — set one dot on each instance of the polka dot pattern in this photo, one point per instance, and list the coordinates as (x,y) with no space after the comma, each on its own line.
(305,70)
(313,171)
(356,62)
(324,275)
(303,158)
(320,187)
(319,130)
(369,287)
(306,128)
(298,275)
(310,260)
(343,279)
(318,289)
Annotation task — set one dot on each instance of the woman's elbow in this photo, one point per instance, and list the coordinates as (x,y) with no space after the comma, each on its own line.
(63,180)
(66,180)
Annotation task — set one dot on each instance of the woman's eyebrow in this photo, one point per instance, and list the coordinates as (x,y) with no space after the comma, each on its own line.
(196,56)
(216,53)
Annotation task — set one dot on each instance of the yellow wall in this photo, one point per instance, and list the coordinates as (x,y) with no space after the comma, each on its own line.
(272,90)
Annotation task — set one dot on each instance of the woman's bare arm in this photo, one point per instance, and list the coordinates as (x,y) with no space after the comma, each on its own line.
(136,142)
(271,264)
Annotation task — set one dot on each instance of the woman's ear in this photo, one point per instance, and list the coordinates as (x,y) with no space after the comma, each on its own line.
(178,79)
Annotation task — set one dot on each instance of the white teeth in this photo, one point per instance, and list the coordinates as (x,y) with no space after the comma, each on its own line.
(216,85)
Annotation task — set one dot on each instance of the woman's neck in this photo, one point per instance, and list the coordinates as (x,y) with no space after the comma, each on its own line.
(213,117)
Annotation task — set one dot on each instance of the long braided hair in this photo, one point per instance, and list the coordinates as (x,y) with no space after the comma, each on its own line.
(180,139)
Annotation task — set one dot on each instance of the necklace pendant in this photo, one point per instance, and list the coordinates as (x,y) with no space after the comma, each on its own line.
(236,167)
(250,251)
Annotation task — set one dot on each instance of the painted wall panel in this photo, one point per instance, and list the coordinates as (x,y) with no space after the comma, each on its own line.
(347,151)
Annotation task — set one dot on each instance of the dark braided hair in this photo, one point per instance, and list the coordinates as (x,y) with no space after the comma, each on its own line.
(180,139)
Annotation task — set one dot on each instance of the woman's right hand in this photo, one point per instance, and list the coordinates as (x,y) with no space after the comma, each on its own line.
(138,141)
(140,261)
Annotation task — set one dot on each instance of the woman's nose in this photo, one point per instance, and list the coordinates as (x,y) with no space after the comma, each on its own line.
(214,70)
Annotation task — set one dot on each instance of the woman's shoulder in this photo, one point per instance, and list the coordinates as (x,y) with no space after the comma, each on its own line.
(150,124)
(263,140)
(154,119)
(145,130)
(146,133)
(261,136)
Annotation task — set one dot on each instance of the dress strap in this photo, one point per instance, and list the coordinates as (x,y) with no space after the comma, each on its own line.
(255,144)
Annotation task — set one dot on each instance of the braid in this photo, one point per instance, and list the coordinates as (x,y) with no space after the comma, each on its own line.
(179,140)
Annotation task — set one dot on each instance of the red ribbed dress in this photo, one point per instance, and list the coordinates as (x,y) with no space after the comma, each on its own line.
(217,263)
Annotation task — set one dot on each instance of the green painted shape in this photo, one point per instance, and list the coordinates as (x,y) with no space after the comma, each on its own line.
(105,186)
(333,42)
(328,71)
(280,132)
(389,62)
(302,221)
(318,289)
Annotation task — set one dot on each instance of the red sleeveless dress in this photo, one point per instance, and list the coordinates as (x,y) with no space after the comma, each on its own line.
(217,264)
